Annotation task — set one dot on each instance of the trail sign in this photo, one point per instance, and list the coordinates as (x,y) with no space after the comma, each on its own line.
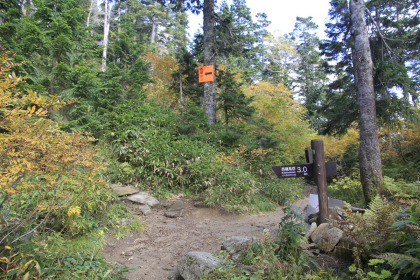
(316,168)
(303,170)
(293,171)
(206,74)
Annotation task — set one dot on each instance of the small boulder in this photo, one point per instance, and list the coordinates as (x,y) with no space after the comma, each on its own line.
(330,240)
(145,210)
(326,237)
(143,198)
(122,190)
(196,264)
(319,232)
(175,210)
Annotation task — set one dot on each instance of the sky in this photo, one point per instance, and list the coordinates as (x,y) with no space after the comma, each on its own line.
(281,13)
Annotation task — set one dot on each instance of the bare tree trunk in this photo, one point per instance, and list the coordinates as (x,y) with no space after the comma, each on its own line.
(154,27)
(369,152)
(107,16)
(92,2)
(209,59)
(181,93)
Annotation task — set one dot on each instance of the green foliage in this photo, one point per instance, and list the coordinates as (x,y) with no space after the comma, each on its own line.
(274,258)
(348,189)
(371,231)
(406,260)
(234,104)
(54,256)
(401,188)
(398,25)
(291,228)
(49,183)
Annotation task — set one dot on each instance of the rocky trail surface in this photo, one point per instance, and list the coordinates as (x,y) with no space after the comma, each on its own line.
(155,252)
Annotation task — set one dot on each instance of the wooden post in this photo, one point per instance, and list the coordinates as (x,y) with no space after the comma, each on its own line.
(320,177)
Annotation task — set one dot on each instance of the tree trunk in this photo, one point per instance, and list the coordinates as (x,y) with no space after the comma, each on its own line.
(107,16)
(209,59)
(181,93)
(369,152)
(92,2)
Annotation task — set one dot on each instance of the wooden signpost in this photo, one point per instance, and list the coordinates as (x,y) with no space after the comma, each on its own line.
(315,168)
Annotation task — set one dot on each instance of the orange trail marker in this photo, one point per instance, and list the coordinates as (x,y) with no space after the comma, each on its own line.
(206,74)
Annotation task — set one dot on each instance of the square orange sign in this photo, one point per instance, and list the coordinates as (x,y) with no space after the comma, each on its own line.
(206,74)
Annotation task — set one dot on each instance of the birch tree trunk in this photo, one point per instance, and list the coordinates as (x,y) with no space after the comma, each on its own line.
(92,2)
(107,16)
(369,152)
(209,59)
(154,27)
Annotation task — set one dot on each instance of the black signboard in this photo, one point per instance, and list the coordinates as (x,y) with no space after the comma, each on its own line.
(302,170)
(293,171)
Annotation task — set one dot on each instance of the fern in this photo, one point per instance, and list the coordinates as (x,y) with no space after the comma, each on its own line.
(402,262)
(371,231)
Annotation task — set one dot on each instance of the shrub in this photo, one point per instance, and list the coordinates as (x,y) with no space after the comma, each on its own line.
(48,178)
(371,231)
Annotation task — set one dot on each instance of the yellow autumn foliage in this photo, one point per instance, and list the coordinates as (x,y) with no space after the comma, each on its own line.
(50,168)
(276,104)
(335,146)
(161,68)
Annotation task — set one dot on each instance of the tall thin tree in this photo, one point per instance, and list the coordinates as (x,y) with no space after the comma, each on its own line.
(369,152)
(107,20)
(209,59)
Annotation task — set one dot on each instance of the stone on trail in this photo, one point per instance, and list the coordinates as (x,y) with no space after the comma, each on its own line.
(145,209)
(196,264)
(122,190)
(175,210)
(143,198)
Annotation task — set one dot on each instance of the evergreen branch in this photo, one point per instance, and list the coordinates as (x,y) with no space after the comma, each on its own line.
(379,32)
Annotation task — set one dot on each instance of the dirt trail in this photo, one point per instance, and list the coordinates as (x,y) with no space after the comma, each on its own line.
(155,252)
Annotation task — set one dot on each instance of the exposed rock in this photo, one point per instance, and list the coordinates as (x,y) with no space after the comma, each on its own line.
(143,198)
(177,205)
(175,210)
(330,239)
(174,214)
(319,232)
(145,210)
(311,229)
(196,264)
(175,275)
(122,190)
(326,237)
(235,244)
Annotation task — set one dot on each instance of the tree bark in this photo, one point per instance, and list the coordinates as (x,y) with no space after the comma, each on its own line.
(209,59)
(369,152)
(181,93)
(107,16)
(92,2)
